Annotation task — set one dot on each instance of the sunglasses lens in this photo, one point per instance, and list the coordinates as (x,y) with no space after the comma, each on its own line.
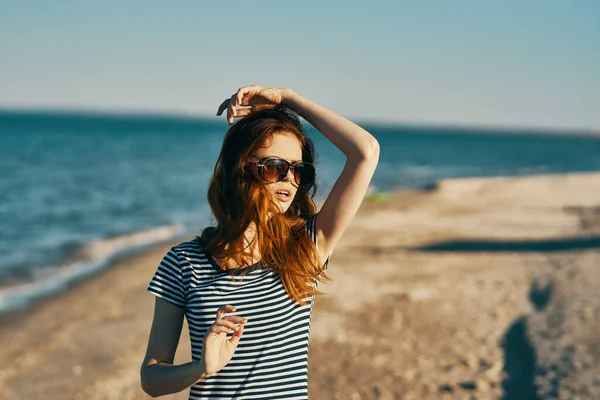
(304,174)
(275,170)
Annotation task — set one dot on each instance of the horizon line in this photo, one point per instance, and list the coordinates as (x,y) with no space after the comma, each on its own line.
(183,115)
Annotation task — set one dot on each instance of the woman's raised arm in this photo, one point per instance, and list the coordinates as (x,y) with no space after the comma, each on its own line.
(348,192)
(359,146)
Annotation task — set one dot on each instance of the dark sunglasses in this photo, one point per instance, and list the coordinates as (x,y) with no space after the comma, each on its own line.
(275,170)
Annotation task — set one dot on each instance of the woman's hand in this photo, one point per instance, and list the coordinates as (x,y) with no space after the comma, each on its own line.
(256,97)
(217,350)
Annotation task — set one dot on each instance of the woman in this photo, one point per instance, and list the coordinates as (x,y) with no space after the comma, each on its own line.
(264,259)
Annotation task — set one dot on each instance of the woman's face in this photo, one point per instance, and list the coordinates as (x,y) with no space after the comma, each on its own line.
(284,146)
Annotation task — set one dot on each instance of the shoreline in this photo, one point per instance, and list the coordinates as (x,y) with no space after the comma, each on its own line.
(89,341)
(375,197)
(40,302)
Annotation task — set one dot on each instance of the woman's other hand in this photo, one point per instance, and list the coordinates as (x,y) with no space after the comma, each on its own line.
(217,350)
(255,97)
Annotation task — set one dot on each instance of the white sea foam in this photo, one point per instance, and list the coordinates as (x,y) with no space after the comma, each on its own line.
(92,258)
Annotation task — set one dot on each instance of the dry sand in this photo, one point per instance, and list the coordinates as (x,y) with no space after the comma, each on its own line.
(482,288)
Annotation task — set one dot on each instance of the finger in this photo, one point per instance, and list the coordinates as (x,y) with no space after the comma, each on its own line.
(222,322)
(236,319)
(242,112)
(237,334)
(223,106)
(224,310)
(220,329)
(231,109)
(239,96)
(241,93)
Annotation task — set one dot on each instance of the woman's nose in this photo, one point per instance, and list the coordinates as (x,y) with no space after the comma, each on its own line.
(289,177)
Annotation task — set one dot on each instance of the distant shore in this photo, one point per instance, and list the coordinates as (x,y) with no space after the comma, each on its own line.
(436,294)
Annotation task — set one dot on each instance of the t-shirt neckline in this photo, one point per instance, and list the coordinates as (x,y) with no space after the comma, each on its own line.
(218,268)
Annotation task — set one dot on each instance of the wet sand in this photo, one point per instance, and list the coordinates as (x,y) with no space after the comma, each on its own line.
(481,288)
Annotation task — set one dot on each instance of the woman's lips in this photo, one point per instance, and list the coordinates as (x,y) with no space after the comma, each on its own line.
(283,197)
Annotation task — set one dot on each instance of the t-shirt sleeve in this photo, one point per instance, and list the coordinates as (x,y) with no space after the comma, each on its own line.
(167,282)
(311,228)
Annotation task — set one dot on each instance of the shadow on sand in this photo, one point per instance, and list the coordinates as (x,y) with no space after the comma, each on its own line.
(522,246)
(519,354)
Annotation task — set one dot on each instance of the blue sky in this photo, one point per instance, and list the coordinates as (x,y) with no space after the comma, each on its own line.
(509,63)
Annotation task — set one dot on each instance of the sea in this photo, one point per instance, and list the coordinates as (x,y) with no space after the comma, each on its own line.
(78,190)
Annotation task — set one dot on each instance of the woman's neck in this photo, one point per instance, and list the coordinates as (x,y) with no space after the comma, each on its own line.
(249,236)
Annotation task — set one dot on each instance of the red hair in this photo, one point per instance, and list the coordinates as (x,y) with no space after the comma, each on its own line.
(237,197)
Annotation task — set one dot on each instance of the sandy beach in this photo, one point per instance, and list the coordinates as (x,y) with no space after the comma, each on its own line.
(482,288)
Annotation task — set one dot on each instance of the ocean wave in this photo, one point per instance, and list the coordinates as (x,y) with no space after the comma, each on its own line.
(90,259)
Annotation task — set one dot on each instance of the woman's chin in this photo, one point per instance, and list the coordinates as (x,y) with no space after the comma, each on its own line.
(282,207)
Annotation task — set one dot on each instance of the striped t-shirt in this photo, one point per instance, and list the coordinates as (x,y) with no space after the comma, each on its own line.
(271,360)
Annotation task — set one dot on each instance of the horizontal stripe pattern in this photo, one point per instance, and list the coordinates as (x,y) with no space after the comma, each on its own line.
(271,360)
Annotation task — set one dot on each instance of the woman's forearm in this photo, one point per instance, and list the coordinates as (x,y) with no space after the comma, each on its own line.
(161,378)
(351,139)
